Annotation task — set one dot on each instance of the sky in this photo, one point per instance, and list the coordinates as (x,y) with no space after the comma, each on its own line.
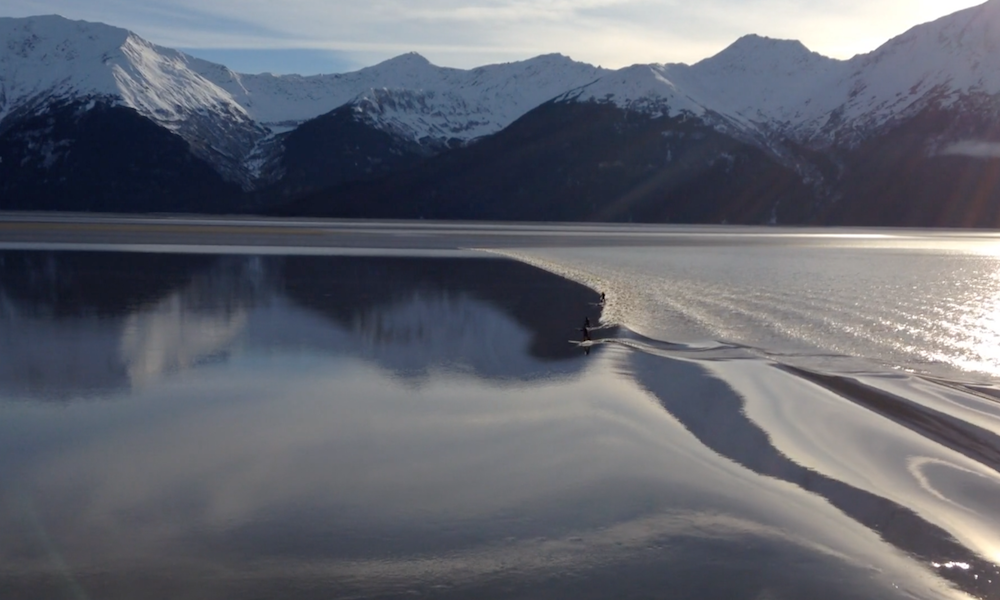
(335,36)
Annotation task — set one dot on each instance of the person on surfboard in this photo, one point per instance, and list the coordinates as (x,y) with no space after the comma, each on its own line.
(586,329)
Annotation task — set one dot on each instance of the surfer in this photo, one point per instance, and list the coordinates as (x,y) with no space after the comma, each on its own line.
(602,298)
(586,329)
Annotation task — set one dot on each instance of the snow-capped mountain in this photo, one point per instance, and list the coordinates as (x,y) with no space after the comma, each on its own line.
(937,65)
(50,61)
(50,58)
(752,89)
(409,92)
(772,85)
(766,131)
(227,117)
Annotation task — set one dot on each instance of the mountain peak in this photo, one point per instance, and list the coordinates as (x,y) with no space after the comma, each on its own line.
(405,70)
(408,60)
(50,37)
(60,28)
(50,53)
(551,58)
(753,40)
(759,53)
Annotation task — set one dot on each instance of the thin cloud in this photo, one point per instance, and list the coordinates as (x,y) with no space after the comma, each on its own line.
(509,12)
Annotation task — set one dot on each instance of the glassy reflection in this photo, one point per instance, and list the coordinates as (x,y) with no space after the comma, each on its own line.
(76,324)
(385,427)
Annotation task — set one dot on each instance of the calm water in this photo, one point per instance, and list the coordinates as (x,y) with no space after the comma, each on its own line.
(762,417)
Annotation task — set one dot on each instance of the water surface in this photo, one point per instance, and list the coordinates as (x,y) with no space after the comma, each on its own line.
(245,426)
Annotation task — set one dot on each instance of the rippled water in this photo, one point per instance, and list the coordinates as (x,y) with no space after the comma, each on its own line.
(923,301)
(763,416)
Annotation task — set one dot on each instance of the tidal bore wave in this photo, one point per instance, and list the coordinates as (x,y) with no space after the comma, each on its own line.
(914,458)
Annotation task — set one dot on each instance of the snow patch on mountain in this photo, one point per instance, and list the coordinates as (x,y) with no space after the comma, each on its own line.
(417,115)
(408,93)
(959,50)
(763,80)
(50,59)
(758,89)
(756,84)
(934,64)
(765,86)
(229,119)
(645,88)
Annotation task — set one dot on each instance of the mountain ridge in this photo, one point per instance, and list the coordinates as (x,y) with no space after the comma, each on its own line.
(935,89)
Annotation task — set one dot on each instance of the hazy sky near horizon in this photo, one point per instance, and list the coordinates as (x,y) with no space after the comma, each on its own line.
(328,36)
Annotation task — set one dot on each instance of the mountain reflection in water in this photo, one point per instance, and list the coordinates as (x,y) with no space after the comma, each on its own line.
(293,427)
(77,323)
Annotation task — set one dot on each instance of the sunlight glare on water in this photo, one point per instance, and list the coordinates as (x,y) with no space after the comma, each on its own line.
(921,302)
(976,328)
